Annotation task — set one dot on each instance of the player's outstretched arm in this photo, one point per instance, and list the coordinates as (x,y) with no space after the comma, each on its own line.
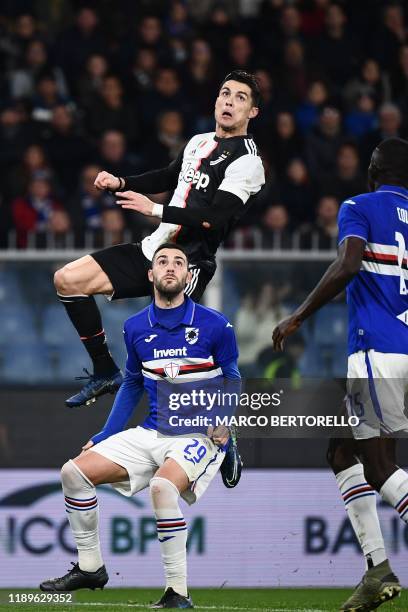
(155,181)
(333,282)
(126,400)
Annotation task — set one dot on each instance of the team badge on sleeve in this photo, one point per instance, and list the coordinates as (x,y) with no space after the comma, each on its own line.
(192,334)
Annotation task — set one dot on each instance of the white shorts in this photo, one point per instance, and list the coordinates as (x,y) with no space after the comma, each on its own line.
(142,451)
(376,388)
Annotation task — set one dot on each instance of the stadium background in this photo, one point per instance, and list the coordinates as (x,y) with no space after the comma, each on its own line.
(122,86)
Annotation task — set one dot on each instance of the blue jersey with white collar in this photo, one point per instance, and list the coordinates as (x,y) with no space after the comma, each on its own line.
(199,347)
(378,295)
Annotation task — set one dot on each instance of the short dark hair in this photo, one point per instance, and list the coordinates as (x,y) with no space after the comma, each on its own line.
(170,245)
(249,79)
(389,163)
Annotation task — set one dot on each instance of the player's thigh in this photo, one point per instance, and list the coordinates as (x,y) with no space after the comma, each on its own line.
(84,276)
(100,469)
(130,449)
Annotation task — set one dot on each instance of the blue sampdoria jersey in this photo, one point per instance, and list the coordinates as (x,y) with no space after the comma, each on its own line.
(378,295)
(199,347)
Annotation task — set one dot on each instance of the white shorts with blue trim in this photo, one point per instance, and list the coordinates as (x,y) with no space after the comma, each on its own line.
(376,389)
(142,451)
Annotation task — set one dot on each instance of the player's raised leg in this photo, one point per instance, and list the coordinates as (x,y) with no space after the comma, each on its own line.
(79,478)
(76,284)
(165,488)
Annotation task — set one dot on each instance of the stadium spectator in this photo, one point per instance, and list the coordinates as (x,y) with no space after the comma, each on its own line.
(167,95)
(392,34)
(23,81)
(370,82)
(294,72)
(399,77)
(307,112)
(89,84)
(88,208)
(241,53)
(297,192)
(140,77)
(34,161)
(347,179)
(15,135)
(275,228)
(111,111)
(285,144)
(322,234)
(26,30)
(149,35)
(390,125)
(66,147)
(362,118)
(323,142)
(113,154)
(252,318)
(45,98)
(337,50)
(38,211)
(202,79)
(167,144)
(76,43)
(178,23)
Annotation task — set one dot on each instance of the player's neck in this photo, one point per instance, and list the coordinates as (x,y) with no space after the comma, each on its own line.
(221,133)
(164,301)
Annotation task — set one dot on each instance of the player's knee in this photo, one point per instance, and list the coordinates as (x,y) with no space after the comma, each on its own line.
(162,491)
(377,474)
(62,280)
(66,281)
(68,474)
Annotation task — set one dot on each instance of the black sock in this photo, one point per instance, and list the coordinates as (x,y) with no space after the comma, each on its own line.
(86,318)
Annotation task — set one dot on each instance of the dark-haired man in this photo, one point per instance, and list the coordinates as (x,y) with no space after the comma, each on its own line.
(372,263)
(171,342)
(214,178)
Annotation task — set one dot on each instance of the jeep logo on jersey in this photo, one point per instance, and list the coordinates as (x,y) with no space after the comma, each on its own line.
(172,369)
(197,178)
(192,334)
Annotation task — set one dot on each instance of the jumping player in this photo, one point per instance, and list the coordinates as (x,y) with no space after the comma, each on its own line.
(213,178)
(200,344)
(372,263)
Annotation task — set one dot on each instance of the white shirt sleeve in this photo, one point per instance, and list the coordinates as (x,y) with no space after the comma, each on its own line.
(244,177)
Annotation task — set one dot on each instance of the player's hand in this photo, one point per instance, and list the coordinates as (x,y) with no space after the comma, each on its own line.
(219,435)
(135,201)
(104,180)
(285,328)
(87,446)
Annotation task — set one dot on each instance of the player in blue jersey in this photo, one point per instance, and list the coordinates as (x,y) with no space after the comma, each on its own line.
(372,263)
(172,341)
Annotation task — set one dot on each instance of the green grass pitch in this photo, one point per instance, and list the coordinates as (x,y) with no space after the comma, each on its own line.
(272,600)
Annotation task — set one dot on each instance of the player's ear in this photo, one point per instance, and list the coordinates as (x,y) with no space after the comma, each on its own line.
(150,275)
(253,112)
(189,277)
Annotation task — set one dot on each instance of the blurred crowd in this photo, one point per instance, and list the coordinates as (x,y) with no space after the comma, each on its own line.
(121,85)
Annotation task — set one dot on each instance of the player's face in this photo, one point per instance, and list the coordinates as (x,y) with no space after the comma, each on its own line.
(169,273)
(234,107)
